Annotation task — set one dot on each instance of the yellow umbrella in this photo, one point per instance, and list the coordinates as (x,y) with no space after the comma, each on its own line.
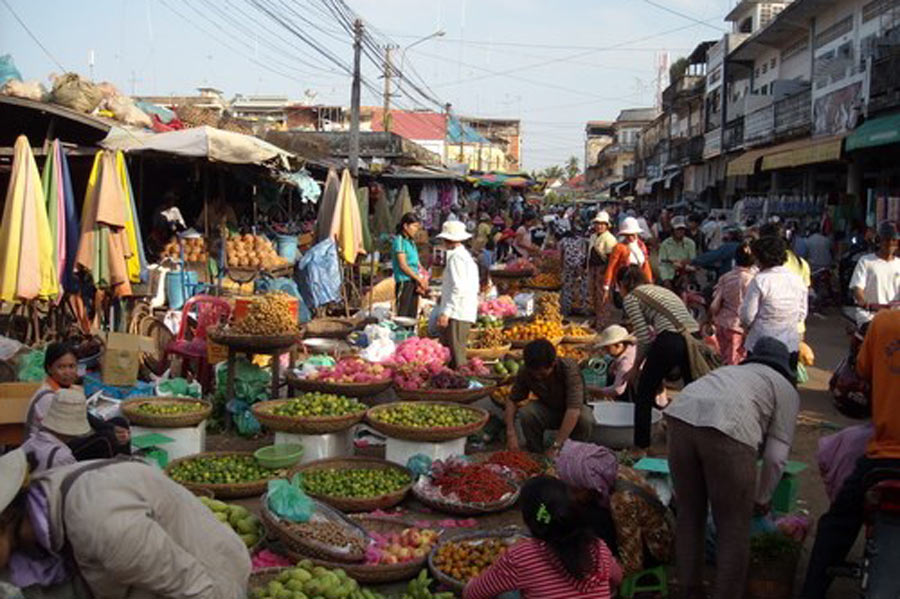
(27,269)
(347,228)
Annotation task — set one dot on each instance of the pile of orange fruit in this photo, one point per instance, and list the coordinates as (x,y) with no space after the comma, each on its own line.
(577,352)
(546,279)
(547,307)
(464,560)
(539,329)
(574,330)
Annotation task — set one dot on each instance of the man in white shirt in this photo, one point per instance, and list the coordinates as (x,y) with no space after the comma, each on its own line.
(876,278)
(458,308)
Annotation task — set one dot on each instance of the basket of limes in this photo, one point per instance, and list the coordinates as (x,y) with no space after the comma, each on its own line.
(166,412)
(226,474)
(310,414)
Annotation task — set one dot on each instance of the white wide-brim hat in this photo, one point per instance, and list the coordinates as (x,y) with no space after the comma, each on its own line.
(13,472)
(614,334)
(67,414)
(454,231)
(602,217)
(630,226)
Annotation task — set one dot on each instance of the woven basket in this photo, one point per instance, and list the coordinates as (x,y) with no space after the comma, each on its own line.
(194,116)
(227,491)
(432,435)
(263,411)
(468,509)
(254,343)
(489,353)
(509,535)
(308,547)
(353,504)
(521,343)
(331,328)
(358,390)
(448,395)
(369,573)
(511,274)
(130,408)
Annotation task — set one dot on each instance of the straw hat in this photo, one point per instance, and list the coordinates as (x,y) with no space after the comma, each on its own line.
(614,334)
(67,414)
(13,472)
(454,231)
(602,217)
(630,226)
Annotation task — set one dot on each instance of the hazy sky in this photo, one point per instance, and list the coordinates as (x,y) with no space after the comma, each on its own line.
(554,63)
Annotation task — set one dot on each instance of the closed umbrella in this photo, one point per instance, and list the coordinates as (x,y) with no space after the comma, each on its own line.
(327,205)
(402,205)
(60,200)
(137,262)
(27,269)
(347,226)
(362,195)
(381,223)
(103,250)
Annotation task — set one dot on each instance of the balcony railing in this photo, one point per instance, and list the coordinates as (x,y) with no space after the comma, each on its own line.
(734,134)
(687,151)
(759,125)
(884,91)
(793,115)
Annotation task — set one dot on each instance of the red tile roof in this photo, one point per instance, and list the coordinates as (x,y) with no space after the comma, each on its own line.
(413,125)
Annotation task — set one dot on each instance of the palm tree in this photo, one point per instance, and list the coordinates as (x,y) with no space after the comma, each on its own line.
(553,172)
(572,168)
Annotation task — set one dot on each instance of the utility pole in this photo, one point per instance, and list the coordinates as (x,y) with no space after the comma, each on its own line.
(354,99)
(388,71)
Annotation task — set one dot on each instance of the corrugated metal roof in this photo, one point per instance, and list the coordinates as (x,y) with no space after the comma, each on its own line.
(413,125)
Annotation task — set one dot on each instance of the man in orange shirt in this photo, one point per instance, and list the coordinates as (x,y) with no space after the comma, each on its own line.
(879,361)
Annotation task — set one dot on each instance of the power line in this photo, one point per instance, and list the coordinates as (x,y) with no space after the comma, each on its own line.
(33,36)
(468,42)
(683,15)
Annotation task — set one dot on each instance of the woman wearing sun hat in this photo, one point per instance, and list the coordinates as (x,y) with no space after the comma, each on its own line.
(631,251)
(113,528)
(458,308)
(65,422)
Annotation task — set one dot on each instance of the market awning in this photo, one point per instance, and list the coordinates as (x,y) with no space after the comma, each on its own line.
(805,151)
(880,131)
(214,144)
(745,164)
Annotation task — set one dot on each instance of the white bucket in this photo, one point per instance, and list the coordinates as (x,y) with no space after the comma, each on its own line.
(614,423)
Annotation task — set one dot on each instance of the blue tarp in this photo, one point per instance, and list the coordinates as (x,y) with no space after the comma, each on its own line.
(320,275)
(457,132)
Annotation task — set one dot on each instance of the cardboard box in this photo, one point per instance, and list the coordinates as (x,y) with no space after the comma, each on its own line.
(14,401)
(122,358)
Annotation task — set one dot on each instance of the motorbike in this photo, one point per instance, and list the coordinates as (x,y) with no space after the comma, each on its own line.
(686,286)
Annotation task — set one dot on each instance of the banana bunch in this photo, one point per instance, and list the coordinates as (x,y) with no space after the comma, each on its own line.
(418,589)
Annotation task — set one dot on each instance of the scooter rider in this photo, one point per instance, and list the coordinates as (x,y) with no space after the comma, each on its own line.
(876,278)
(879,361)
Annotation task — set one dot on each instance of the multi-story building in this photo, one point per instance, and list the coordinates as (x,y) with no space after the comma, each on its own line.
(266,110)
(597,136)
(612,160)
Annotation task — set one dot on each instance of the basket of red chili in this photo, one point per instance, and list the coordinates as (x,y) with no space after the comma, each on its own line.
(521,465)
(458,486)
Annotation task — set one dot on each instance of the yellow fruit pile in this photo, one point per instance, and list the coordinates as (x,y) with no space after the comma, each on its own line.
(574,330)
(539,329)
(488,337)
(547,308)
(270,314)
(546,279)
(252,251)
(579,353)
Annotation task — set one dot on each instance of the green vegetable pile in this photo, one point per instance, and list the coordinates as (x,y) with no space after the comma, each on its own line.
(417,588)
(239,518)
(221,470)
(354,482)
(313,405)
(306,581)
(419,415)
(169,408)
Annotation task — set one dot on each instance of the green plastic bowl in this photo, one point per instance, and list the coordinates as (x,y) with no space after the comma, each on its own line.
(279,456)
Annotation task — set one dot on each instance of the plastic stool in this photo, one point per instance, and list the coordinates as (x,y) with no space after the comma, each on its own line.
(654,580)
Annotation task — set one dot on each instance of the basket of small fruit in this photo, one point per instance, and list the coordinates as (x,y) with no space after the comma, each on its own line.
(464,488)
(351,376)
(521,465)
(545,281)
(227,474)
(517,269)
(457,560)
(270,323)
(574,333)
(327,534)
(487,342)
(521,335)
(356,484)
(429,421)
(312,413)
(444,385)
(240,520)
(307,580)
(396,551)
(166,412)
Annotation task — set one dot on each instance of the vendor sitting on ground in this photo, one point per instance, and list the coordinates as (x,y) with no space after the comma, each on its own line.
(61,366)
(66,421)
(559,387)
(619,505)
(113,528)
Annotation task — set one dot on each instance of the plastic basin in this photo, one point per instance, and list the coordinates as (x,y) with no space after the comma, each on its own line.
(614,423)
(279,456)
